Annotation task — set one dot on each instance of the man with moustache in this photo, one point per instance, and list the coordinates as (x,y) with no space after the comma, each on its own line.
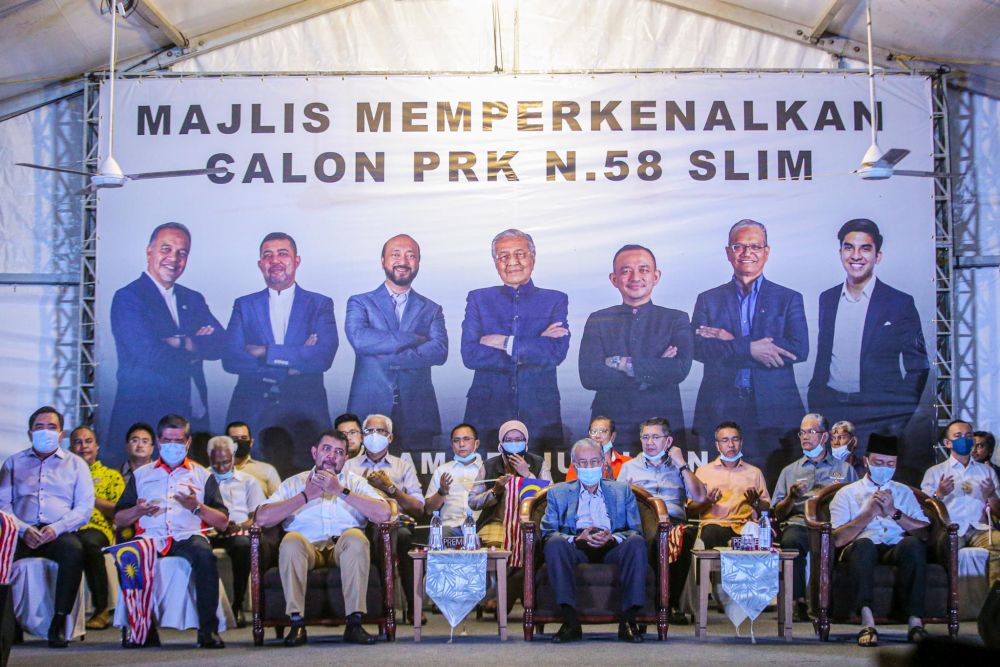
(281,341)
(448,490)
(866,328)
(635,355)
(397,336)
(163,332)
(603,431)
(514,336)
(749,332)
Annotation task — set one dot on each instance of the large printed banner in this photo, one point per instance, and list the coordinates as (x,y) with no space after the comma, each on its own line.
(690,322)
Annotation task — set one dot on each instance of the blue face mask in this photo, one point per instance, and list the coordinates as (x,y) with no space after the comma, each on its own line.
(514,446)
(173,453)
(589,476)
(961,446)
(465,459)
(731,459)
(376,443)
(45,441)
(813,453)
(652,458)
(607,448)
(881,474)
(223,476)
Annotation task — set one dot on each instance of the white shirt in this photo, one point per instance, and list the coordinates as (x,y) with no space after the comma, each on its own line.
(848,329)
(265,473)
(591,510)
(242,494)
(966,503)
(463,476)
(327,516)
(279,309)
(850,500)
(56,491)
(400,472)
(399,301)
(170,298)
(156,483)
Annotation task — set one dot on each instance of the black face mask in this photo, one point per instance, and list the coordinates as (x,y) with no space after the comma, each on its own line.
(242,448)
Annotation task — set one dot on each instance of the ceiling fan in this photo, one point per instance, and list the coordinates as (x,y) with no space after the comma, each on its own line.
(876,165)
(109,173)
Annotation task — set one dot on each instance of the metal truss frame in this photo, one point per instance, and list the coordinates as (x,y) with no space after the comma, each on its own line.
(86,398)
(946,347)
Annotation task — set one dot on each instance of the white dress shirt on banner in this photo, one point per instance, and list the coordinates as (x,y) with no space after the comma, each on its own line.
(848,329)
(279,309)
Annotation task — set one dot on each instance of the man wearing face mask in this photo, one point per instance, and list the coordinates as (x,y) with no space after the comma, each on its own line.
(393,477)
(50,494)
(735,490)
(241,494)
(265,473)
(798,482)
(844,445)
(603,431)
(176,498)
(969,490)
(448,490)
(877,520)
(662,470)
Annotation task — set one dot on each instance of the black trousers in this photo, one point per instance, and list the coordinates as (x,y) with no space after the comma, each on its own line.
(238,550)
(910,558)
(404,543)
(714,535)
(93,541)
(67,551)
(198,552)
(796,538)
(562,557)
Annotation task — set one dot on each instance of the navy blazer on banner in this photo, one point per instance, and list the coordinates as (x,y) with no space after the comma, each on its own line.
(393,360)
(521,385)
(154,378)
(892,332)
(268,392)
(563,499)
(779,315)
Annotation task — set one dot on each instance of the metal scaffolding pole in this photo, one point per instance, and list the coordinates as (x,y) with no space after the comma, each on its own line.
(944,246)
(86,403)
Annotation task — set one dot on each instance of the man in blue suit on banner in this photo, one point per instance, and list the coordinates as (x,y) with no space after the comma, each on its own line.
(281,341)
(163,332)
(513,337)
(397,336)
(866,328)
(749,332)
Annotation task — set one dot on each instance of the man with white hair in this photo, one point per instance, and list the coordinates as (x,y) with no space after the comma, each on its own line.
(241,493)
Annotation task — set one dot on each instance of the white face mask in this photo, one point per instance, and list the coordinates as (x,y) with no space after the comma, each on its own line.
(45,441)
(840,453)
(881,474)
(376,443)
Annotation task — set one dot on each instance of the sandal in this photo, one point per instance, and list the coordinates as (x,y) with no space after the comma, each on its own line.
(916,634)
(868,636)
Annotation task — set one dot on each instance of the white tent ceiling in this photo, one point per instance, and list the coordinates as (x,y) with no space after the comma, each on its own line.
(49,43)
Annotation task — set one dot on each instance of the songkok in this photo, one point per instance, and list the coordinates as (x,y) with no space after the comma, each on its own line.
(887,445)
(513,425)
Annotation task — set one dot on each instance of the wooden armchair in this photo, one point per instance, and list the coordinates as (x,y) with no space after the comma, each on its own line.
(324,594)
(831,594)
(598,588)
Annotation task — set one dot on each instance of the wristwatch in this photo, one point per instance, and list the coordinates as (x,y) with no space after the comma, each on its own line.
(897,515)
(391,491)
(196,511)
(345,492)
(683,468)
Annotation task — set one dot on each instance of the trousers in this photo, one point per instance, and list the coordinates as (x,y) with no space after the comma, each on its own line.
(562,557)
(198,552)
(909,556)
(351,553)
(67,551)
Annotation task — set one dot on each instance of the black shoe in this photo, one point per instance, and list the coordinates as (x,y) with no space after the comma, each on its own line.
(628,631)
(356,634)
(801,613)
(296,635)
(57,631)
(210,640)
(568,633)
(152,639)
(676,617)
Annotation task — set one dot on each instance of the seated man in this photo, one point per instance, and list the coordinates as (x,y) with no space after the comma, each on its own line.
(448,490)
(798,482)
(265,473)
(324,512)
(969,490)
(877,520)
(350,425)
(735,492)
(175,497)
(98,533)
(241,493)
(844,445)
(602,431)
(139,441)
(982,452)
(392,477)
(50,494)
(662,471)
(594,520)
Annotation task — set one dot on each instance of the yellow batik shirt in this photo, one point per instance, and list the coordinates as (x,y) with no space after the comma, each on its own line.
(108,485)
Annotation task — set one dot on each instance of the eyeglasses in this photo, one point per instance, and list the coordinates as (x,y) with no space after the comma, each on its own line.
(652,437)
(754,248)
(505,257)
(140,441)
(380,431)
(352,431)
(599,431)
(458,440)
(804,432)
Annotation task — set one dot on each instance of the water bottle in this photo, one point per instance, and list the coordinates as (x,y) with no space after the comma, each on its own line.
(470,540)
(764,538)
(437,538)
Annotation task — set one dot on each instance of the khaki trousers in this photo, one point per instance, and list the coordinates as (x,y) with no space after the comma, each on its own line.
(981,538)
(351,553)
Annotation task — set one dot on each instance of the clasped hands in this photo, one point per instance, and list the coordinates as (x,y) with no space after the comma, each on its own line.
(593,537)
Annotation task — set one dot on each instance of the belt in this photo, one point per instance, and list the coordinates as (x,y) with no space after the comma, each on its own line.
(843,397)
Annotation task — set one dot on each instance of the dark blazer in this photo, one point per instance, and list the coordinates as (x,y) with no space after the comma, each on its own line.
(154,379)
(521,385)
(892,331)
(494,468)
(644,336)
(779,315)
(394,359)
(559,520)
(267,382)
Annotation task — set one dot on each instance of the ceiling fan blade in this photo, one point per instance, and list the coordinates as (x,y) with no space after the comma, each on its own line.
(894,155)
(59,169)
(214,171)
(928,174)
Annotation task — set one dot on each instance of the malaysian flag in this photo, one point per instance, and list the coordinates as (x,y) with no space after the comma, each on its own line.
(517,490)
(135,561)
(675,540)
(8,544)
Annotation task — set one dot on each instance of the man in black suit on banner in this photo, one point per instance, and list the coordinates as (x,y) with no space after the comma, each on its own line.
(866,328)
